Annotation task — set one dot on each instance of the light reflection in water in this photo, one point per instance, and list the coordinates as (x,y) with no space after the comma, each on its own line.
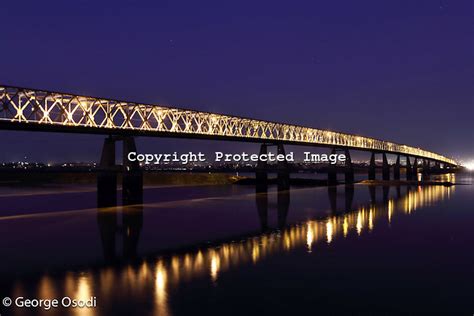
(83,292)
(329,231)
(345,226)
(169,272)
(447,177)
(161,295)
(309,236)
(46,288)
(215,263)
(359,221)
(390,210)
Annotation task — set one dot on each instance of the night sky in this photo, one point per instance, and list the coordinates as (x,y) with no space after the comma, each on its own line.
(397,70)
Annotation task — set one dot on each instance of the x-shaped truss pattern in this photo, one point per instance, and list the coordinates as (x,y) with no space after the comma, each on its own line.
(46,108)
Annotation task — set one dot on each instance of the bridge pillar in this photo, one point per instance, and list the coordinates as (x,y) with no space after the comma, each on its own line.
(349,172)
(396,169)
(385,168)
(426,170)
(132,194)
(107,176)
(261,175)
(132,178)
(283,170)
(372,167)
(408,169)
(415,169)
(451,168)
(332,171)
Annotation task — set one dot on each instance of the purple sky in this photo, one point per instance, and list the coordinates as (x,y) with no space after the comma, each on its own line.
(396,70)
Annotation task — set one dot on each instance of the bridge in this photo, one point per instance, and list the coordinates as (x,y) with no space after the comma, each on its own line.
(49,111)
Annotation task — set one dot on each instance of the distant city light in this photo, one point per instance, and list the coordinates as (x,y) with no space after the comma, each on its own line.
(469,165)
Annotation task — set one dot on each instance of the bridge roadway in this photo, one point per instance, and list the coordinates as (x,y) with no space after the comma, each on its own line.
(40,110)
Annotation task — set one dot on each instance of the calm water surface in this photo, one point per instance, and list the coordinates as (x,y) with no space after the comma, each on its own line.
(225,250)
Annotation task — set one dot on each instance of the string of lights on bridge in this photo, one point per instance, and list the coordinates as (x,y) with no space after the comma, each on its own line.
(28,108)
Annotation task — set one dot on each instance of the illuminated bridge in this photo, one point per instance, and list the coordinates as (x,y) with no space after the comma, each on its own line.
(30,109)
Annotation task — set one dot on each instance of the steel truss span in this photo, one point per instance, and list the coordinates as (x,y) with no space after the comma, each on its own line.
(23,108)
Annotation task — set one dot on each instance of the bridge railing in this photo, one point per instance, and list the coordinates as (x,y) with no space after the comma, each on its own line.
(30,106)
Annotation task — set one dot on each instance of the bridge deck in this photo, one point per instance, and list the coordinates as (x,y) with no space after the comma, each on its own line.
(22,108)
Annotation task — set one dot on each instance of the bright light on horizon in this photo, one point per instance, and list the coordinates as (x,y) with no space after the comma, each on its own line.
(469,165)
